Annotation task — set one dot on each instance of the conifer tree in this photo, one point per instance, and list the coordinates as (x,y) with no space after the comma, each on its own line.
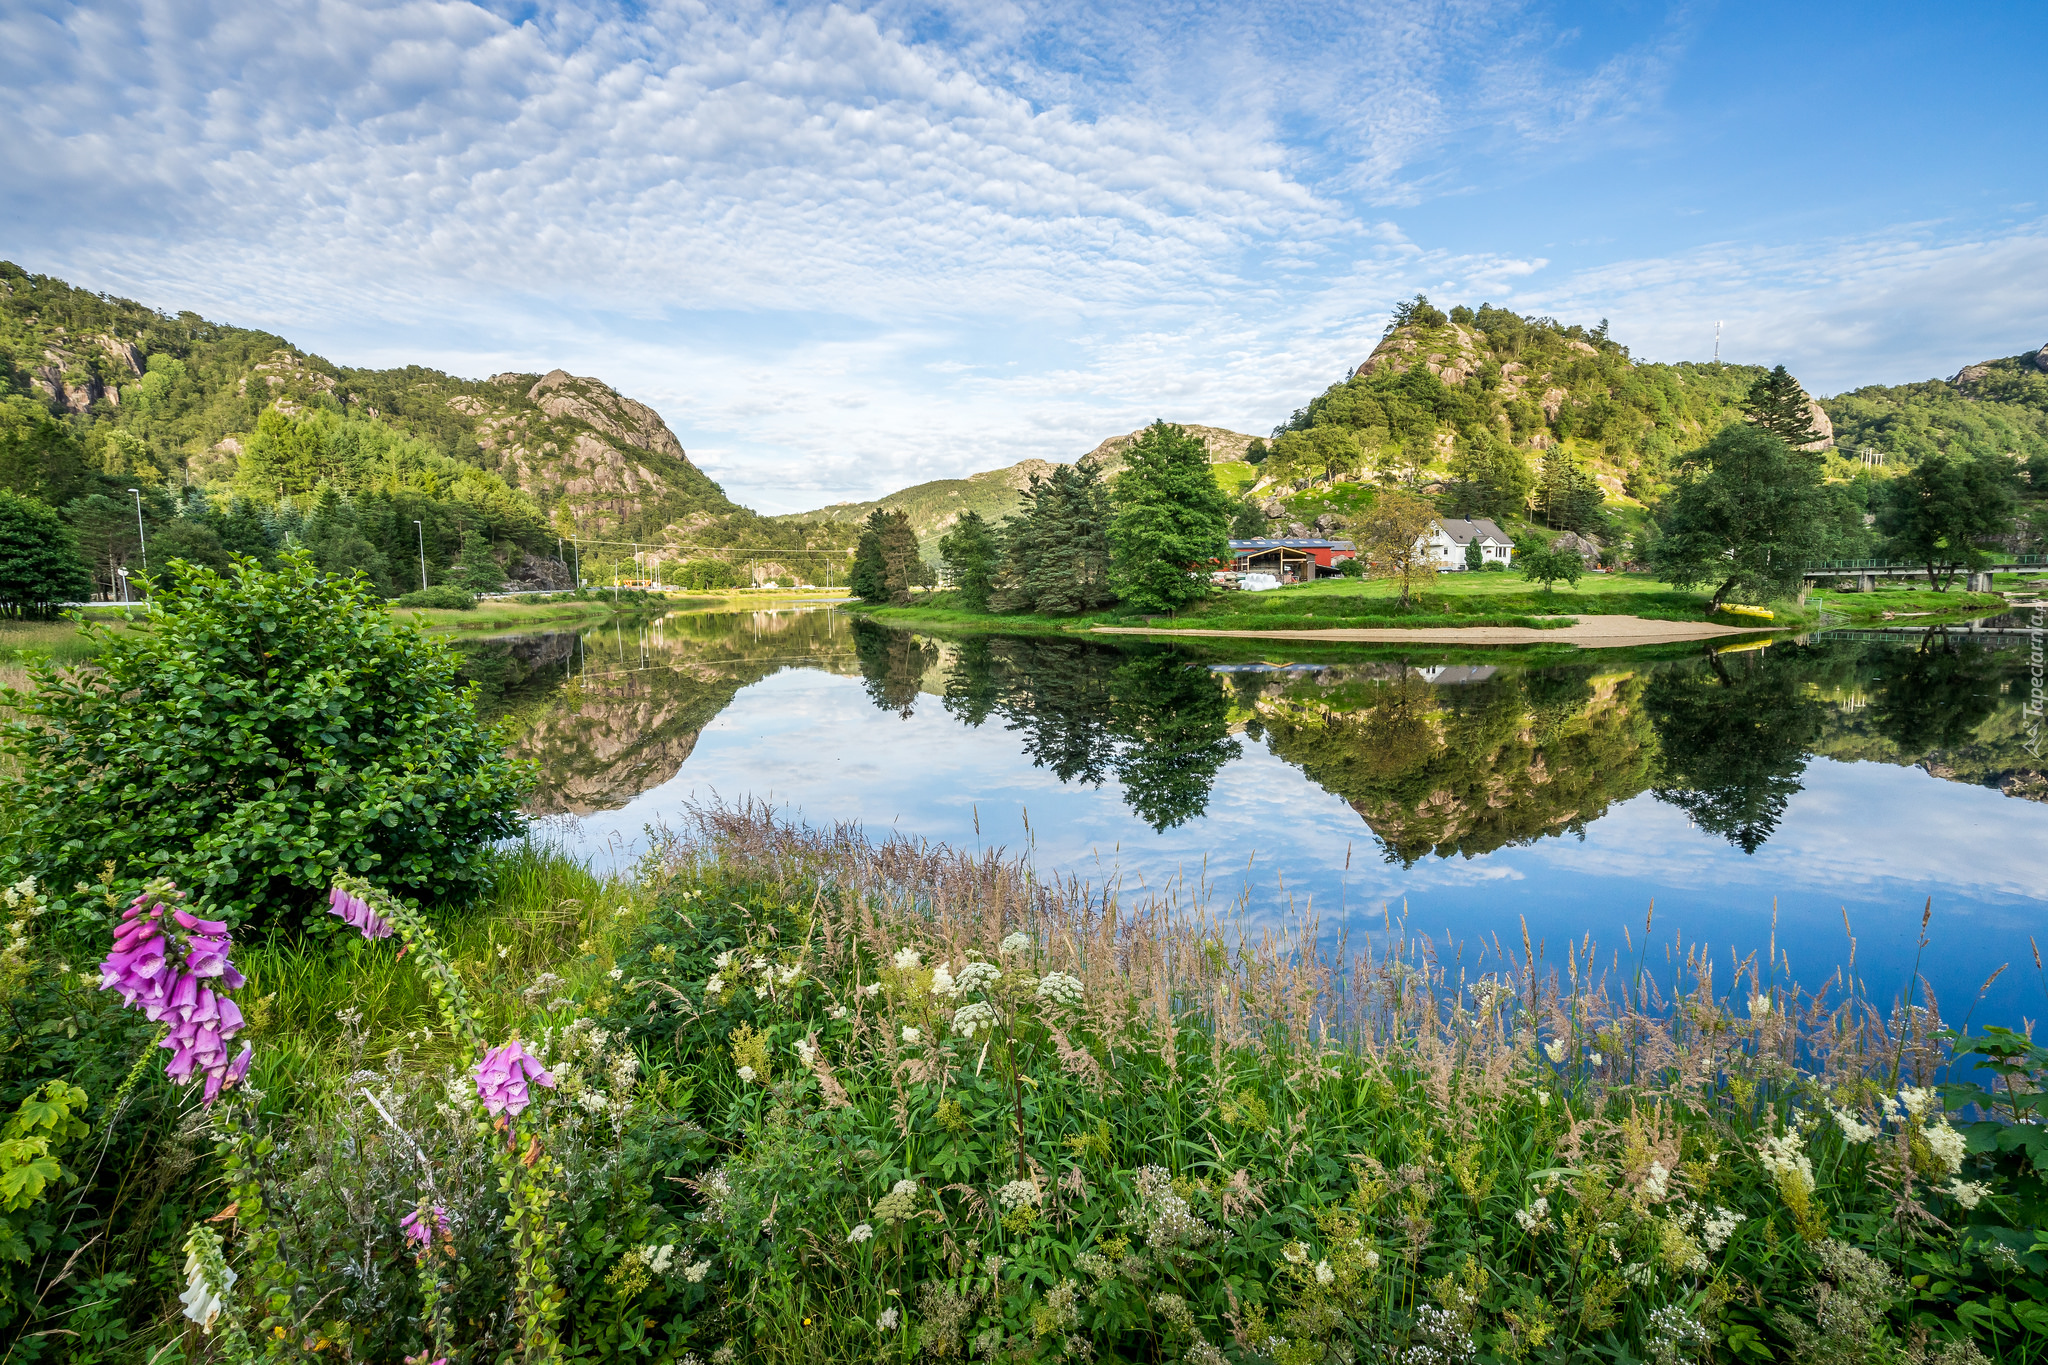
(1778,405)
(971,554)
(1171,520)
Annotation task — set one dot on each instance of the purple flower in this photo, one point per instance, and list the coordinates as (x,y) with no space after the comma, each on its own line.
(502,1075)
(356,913)
(415,1228)
(145,967)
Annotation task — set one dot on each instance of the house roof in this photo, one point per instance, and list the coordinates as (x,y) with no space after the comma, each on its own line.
(1292,543)
(1462,531)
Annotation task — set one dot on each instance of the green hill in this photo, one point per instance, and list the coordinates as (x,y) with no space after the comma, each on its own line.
(1998,407)
(100,394)
(996,493)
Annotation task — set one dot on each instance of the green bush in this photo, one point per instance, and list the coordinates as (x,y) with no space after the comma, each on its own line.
(442,596)
(1494,566)
(702,575)
(1352,568)
(258,734)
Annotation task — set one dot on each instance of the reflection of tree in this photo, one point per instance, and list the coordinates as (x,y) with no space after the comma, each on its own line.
(892,663)
(1087,712)
(1733,741)
(1468,769)
(1937,696)
(1174,722)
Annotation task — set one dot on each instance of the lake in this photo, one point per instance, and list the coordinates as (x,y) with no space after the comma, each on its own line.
(1779,803)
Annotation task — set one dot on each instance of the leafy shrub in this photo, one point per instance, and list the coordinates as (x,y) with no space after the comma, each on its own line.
(258,734)
(702,575)
(441,597)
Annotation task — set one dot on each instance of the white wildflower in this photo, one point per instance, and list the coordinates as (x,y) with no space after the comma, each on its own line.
(971,1019)
(657,1259)
(1759,1006)
(747,1074)
(904,1187)
(759,964)
(1536,1218)
(695,1274)
(504,951)
(912,1035)
(1657,1184)
(1596,1059)
(861,1232)
(1852,1126)
(907,959)
(1641,1274)
(837,1012)
(616,972)
(1719,1227)
(788,975)
(1968,1193)
(1555,1051)
(887,1322)
(942,982)
(806,1052)
(1018,1194)
(1918,1100)
(715,986)
(1785,1158)
(1324,1275)
(203,1301)
(872,989)
(760,992)
(724,959)
(1014,944)
(1059,988)
(1295,1253)
(1947,1144)
(977,976)
(1543,1099)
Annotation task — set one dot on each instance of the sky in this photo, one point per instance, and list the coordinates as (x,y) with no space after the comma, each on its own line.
(843,249)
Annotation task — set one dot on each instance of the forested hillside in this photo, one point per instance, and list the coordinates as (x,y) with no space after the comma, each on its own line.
(1999,407)
(934,507)
(236,440)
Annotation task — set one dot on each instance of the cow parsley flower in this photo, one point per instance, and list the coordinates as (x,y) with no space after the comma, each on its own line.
(971,1019)
(616,972)
(976,976)
(861,1232)
(1014,945)
(1059,988)
(1018,1194)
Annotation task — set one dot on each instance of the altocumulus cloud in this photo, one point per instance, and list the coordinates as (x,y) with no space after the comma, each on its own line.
(839,248)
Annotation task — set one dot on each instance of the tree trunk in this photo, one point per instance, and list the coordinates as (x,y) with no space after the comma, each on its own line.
(1719,593)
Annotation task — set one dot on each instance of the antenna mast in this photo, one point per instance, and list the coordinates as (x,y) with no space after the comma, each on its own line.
(1717,343)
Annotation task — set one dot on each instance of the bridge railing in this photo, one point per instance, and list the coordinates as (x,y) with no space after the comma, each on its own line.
(1852,565)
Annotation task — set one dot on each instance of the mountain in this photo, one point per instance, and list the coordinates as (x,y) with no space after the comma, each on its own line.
(98,392)
(1996,407)
(996,493)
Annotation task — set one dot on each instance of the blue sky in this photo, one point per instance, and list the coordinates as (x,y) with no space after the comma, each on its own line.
(844,249)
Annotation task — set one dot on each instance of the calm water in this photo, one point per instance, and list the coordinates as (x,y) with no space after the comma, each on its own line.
(1793,795)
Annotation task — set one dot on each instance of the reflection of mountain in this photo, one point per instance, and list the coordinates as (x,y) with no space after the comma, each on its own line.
(1504,759)
(638,697)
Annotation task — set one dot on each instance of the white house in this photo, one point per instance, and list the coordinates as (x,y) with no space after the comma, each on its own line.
(1448,537)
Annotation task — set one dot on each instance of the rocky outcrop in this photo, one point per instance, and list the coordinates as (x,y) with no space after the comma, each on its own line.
(559,394)
(1816,415)
(1222,444)
(2041,360)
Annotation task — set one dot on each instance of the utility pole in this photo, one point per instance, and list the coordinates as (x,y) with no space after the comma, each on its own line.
(423,554)
(139,534)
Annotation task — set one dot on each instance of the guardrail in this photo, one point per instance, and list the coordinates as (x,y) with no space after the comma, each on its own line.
(1851,565)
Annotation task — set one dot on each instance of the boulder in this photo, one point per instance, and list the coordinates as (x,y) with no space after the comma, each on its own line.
(1328,522)
(1273,507)
(1296,530)
(1585,547)
(1969,375)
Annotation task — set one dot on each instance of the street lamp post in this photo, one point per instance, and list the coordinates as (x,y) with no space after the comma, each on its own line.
(139,533)
(423,554)
(124,584)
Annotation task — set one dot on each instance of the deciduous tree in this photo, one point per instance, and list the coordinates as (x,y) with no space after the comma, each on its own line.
(1751,513)
(39,564)
(1390,539)
(1935,514)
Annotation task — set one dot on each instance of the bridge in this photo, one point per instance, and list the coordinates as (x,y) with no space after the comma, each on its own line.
(1866,572)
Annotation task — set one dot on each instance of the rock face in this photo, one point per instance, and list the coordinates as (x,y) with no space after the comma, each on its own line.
(1821,424)
(1223,445)
(2041,360)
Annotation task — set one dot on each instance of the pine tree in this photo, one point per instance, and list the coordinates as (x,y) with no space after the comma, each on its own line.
(1170,520)
(870,577)
(1778,405)
(901,565)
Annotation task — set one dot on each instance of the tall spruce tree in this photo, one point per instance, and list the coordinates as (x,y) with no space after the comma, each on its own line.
(1777,404)
(1170,520)
(870,577)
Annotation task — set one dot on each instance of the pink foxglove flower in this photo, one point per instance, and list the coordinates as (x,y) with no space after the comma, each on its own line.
(420,1231)
(356,913)
(502,1075)
(170,973)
